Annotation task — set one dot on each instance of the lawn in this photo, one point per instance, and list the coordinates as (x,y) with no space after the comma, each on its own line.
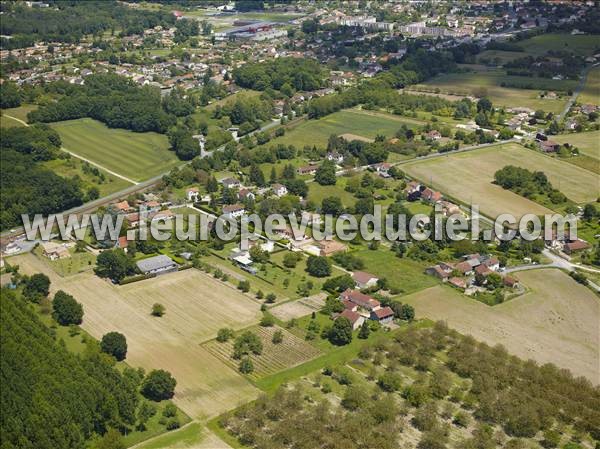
(138,156)
(352,121)
(9,122)
(556,321)
(591,90)
(72,166)
(196,307)
(468,177)
(290,352)
(403,275)
(317,192)
(489,82)
(583,45)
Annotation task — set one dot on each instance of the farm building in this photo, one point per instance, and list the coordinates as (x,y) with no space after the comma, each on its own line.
(384,315)
(157,265)
(355,319)
(330,247)
(54,251)
(364,280)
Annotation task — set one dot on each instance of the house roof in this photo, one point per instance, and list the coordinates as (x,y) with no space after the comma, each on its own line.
(360,299)
(123,205)
(384,312)
(362,277)
(482,269)
(509,281)
(458,282)
(233,208)
(155,263)
(123,242)
(463,267)
(353,317)
(577,245)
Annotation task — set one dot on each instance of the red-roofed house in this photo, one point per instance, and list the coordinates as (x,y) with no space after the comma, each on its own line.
(483,270)
(123,206)
(431,195)
(355,319)
(458,283)
(364,279)
(574,246)
(360,299)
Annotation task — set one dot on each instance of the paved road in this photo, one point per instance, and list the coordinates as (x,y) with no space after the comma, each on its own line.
(576,92)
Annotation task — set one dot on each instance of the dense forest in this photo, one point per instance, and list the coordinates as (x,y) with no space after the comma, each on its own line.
(115,101)
(68,21)
(429,386)
(52,399)
(26,187)
(285,74)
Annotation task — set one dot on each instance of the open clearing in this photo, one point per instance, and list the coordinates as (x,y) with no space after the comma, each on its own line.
(557,321)
(468,177)
(489,82)
(138,156)
(353,121)
(298,308)
(591,90)
(290,352)
(196,307)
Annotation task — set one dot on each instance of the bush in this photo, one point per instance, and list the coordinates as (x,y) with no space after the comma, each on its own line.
(246,366)
(158,309)
(277,337)
(170,410)
(173,424)
(224,334)
(267,320)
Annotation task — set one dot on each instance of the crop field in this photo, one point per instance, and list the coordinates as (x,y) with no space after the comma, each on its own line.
(591,90)
(588,144)
(556,321)
(583,45)
(404,275)
(290,352)
(489,82)
(468,177)
(352,121)
(137,156)
(298,308)
(196,307)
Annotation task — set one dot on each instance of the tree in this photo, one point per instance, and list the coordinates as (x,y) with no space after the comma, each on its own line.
(145,412)
(332,205)
(355,398)
(277,337)
(365,330)
(111,440)
(158,309)
(390,381)
(484,105)
(341,332)
(244,286)
(257,176)
(36,287)
(318,266)
(325,174)
(589,212)
(115,344)
(114,264)
(258,255)
(291,259)
(246,366)
(267,320)
(247,343)
(66,310)
(158,385)
(224,334)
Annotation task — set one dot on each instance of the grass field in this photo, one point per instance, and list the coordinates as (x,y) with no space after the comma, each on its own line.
(591,90)
(290,352)
(588,144)
(502,56)
(583,45)
(468,177)
(196,307)
(352,121)
(137,156)
(556,321)
(404,275)
(77,263)
(9,122)
(490,81)
(192,436)
(20,112)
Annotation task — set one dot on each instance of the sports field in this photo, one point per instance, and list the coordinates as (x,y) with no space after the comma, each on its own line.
(556,321)
(469,176)
(490,83)
(137,156)
(366,124)
(196,307)
(591,90)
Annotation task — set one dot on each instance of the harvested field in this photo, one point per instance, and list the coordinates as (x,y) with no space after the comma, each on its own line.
(468,177)
(591,90)
(290,352)
(557,321)
(588,142)
(298,308)
(196,307)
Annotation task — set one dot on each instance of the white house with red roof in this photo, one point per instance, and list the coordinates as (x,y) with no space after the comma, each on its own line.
(364,279)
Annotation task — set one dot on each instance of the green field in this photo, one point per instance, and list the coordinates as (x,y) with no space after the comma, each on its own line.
(404,275)
(500,56)
(20,112)
(468,177)
(137,156)
(591,90)
(583,45)
(352,121)
(489,82)
(589,149)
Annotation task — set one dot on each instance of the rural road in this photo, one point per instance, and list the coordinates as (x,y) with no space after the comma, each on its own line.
(576,92)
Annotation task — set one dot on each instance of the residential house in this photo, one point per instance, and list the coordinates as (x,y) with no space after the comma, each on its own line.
(164,215)
(246,194)
(361,300)
(431,196)
(157,265)
(356,320)
(382,169)
(308,169)
(363,279)
(575,246)
(234,210)
(279,189)
(122,243)
(334,156)
(433,135)
(55,251)
(439,272)
(231,183)
(510,282)
(133,219)
(458,283)
(330,247)
(549,146)
(122,207)
(483,270)
(192,194)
